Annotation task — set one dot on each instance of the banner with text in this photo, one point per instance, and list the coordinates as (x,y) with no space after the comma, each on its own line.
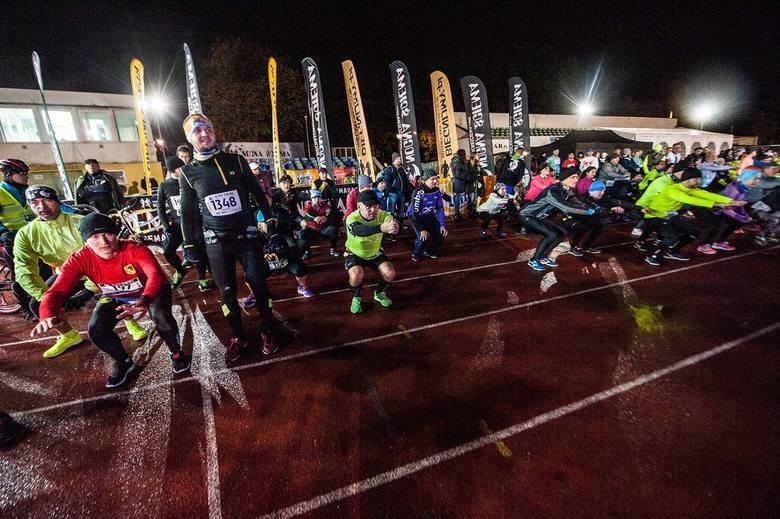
(358,119)
(193,94)
(137,85)
(478,120)
(274,119)
(406,120)
(519,120)
(444,120)
(264,150)
(319,124)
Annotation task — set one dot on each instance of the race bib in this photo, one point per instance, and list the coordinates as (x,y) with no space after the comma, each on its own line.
(116,289)
(223,204)
(176,203)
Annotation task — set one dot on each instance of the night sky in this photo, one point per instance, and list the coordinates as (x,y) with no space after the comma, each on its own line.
(651,58)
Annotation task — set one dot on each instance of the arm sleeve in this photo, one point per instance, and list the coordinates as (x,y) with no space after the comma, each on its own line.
(70,274)
(415,204)
(698,197)
(553,200)
(362,229)
(26,267)
(190,216)
(161,212)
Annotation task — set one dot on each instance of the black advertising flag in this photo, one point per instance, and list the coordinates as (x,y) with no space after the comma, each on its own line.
(408,143)
(319,125)
(478,120)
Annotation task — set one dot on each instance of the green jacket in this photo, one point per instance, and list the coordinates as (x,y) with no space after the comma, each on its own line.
(13,213)
(675,196)
(49,241)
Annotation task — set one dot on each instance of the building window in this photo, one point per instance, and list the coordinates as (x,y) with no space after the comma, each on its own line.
(19,125)
(97,126)
(125,125)
(62,122)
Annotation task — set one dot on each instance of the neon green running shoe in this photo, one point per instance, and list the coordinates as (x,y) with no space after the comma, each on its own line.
(204,285)
(136,331)
(382,299)
(356,307)
(176,280)
(66,340)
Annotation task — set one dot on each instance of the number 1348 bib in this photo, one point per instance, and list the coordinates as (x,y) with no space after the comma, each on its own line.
(223,204)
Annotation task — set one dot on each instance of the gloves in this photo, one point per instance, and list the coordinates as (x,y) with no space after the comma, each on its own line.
(191,254)
(591,211)
(78,299)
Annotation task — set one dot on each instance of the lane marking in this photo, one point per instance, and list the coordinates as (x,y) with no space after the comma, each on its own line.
(403,329)
(501,447)
(436,459)
(309,353)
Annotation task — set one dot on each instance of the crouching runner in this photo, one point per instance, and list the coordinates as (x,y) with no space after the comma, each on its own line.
(132,283)
(365,228)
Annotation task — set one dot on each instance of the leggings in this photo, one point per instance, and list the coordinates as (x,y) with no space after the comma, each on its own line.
(552,234)
(103,321)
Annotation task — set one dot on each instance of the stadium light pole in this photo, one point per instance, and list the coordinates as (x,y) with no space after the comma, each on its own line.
(703,113)
(157,104)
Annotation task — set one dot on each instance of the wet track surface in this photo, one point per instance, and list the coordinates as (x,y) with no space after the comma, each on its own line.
(488,390)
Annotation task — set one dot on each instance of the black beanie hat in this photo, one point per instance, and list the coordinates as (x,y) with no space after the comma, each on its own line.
(95,223)
(690,173)
(41,191)
(173,163)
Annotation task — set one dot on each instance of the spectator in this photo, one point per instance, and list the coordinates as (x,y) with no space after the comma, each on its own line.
(570,161)
(590,160)
(554,160)
(539,183)
(363,184)
(512,170)
(462,184)
(263,179)
(397,186)
(496,207)
(98,188)
(583,184)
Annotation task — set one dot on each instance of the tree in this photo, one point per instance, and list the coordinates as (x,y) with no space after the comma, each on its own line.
(236,96)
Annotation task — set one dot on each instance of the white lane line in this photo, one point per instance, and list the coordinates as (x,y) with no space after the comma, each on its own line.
(436,459)
(308,353)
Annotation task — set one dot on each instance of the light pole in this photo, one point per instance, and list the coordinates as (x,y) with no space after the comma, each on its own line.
(306,123)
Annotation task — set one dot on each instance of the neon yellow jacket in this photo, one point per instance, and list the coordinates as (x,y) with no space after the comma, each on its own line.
(675,196)
(50,241)
(13,213)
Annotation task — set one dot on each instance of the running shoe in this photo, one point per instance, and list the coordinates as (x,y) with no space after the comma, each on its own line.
(760,241)
(234,349)
(501,234)
(248,302)
(483,235)
(653,260)
(119,375)
(382,299)
(577,251)
(415,258)
(305,291)
(592,250)
(536,265)
(356,306)
(177,279)
(204,285)
(676,256)
(136,331)
(335,253)
(706,249)
(548,262)
(10,431)
(429,255)
(269,344)
(180,362)
(723,245)
(640,246)
(66,340)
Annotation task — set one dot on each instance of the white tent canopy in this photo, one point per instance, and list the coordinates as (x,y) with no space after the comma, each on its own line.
(667,136)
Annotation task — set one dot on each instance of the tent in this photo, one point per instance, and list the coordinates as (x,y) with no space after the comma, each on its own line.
(580,140)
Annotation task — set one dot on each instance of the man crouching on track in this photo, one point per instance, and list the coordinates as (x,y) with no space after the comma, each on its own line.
(215,202)
(131,281)
(365,228)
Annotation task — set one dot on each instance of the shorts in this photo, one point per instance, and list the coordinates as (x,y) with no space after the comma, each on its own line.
(350,260)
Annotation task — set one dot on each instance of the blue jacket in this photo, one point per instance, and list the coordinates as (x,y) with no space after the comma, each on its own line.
(426,205)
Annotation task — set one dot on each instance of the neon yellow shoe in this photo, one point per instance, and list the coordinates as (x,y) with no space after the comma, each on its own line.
(176,280)
(136,331)
(382,299)
(356,307)
(67,340)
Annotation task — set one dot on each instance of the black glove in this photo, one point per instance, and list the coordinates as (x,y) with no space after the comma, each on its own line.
(78,299)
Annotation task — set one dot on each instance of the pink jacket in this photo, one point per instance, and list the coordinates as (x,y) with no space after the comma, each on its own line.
(538,184)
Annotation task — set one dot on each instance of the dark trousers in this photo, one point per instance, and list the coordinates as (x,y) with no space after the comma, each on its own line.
(174,239)
(500,219)
(331,232)
(673,234)
(712,227)
(434,242)
(223,252)
(552,234)
(103,321)
(585,230)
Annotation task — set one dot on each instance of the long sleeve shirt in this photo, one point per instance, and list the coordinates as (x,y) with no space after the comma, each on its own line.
(675,196)
(426,204)
(555,198)
(132,273)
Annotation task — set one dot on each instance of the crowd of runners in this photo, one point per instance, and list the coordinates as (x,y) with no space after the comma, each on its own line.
(223,211)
